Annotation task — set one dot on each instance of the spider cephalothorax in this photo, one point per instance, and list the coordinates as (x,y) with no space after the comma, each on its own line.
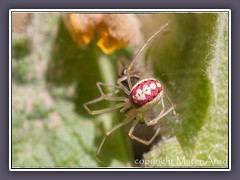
(140,97)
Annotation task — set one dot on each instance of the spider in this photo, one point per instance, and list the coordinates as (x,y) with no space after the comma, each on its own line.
(141,96)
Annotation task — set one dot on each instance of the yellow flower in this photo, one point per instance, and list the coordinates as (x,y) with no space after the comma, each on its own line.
(113,31)
(82,26)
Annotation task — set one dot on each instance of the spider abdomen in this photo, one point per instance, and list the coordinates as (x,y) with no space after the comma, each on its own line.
(146,93)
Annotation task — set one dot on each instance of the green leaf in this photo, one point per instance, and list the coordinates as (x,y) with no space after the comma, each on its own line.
(192,62)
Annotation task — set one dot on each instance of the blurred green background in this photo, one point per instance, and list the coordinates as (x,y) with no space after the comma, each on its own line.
(52,77)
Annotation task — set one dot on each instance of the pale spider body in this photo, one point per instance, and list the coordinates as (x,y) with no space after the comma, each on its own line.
(141,96)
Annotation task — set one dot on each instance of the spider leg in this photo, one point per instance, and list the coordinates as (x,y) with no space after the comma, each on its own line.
(126,108)
(109,95)
(140,51)
(161,114)
(93,112)
(150,122)
(146,142)
(119,82)
(174,112)
(108,132)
